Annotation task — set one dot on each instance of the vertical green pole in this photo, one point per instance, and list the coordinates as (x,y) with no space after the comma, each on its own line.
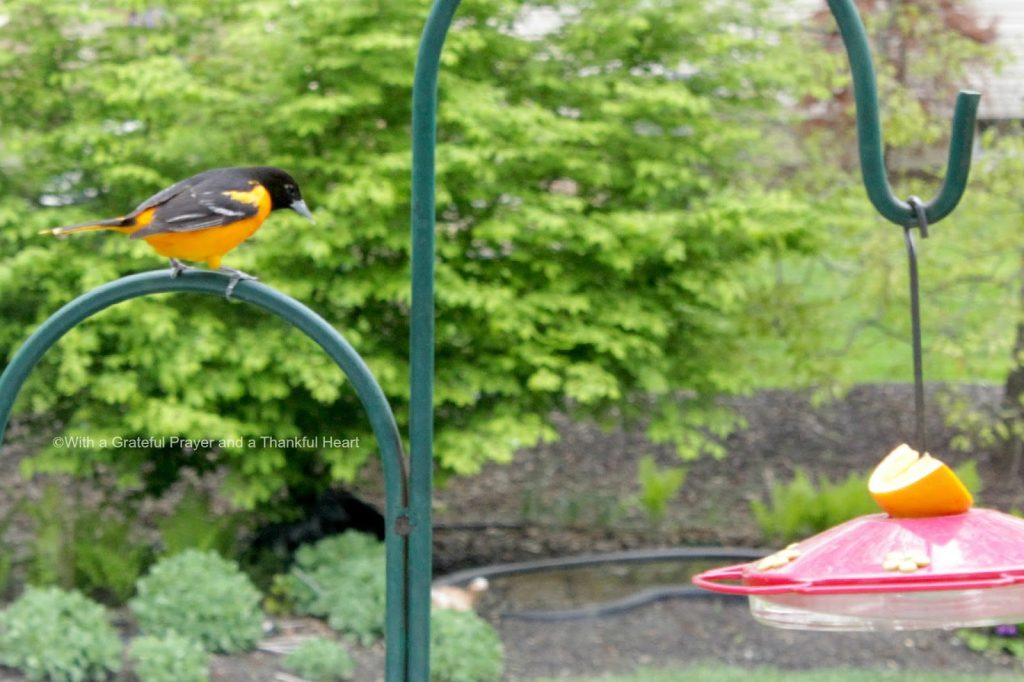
(421,341)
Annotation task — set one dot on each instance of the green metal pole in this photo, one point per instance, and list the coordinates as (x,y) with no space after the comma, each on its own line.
(869,131)
(421,341)
(367,389)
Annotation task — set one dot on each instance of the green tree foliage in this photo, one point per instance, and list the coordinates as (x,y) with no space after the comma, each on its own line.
(601,192)
(848,306)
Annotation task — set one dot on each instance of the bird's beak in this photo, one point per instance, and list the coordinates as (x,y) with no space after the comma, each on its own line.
(303,210)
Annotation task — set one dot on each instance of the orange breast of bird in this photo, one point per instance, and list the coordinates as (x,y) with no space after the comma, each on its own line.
(211,244)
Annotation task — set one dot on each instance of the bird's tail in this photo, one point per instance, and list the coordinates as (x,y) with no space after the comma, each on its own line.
(111,224)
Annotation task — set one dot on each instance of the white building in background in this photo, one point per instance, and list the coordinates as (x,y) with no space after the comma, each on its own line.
(1003,93)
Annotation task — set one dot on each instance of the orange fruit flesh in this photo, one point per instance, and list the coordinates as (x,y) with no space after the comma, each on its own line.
(906,484)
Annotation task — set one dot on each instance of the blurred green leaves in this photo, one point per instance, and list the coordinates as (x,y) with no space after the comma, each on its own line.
(602,193)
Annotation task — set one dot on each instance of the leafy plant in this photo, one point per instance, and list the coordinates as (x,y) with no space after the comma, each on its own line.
(658,486)
(203,597)
(52,554)
(278,600)
(107,559)
(320,660)
(6,550)
(92,550)
(464,648)
(6,568)
(52,634)
(169,658)
(1007,639)
(194,525)
(801,508)
(590,248)
(342,579)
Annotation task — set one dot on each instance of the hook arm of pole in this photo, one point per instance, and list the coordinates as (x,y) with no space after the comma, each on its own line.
(869,131)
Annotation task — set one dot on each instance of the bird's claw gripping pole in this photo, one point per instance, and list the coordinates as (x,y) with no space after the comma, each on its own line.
(234,277)
(869,131)
(177,267)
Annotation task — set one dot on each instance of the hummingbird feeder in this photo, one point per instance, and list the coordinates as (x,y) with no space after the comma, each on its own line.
(940,564)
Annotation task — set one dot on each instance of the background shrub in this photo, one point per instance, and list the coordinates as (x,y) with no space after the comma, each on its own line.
(320,660)
(800,508)
(170,658)
(587,252)
(91,548)
(658,486)
(464,648)
(203,597)
(49,633)
(342,578)
(195,524)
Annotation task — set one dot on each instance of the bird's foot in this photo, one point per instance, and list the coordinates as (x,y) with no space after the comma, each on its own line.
(177,267)
(234,277)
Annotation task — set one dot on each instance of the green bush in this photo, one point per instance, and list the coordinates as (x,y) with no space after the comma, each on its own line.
(195,525)
(108,560)
(51,559)
(658,487)
(590,248)
(52,634)
(170,658)
(464,648)
(320,660)
(6,548)
(1001,639)
(800,508)
(91,550)
(342,579)
(203,597)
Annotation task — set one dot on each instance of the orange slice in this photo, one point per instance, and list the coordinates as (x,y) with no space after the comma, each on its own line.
(908,484)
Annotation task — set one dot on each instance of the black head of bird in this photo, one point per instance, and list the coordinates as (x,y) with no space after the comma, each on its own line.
(284,191)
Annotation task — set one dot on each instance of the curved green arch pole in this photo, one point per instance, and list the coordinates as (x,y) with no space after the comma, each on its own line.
(869,131)
(315,327)
(421,335)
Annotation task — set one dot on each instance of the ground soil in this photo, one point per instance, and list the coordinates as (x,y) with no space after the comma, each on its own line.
(577,496)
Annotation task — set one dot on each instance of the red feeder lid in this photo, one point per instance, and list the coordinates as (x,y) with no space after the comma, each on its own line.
(841,578)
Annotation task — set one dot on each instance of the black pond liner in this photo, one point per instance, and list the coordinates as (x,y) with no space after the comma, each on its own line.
(641,597)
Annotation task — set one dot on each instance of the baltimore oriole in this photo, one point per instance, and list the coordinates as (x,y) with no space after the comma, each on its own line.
(205,216)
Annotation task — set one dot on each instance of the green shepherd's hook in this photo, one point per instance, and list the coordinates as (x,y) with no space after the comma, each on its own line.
(869,131)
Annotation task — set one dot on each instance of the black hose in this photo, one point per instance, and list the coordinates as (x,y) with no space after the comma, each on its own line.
(617,606)
(635,600)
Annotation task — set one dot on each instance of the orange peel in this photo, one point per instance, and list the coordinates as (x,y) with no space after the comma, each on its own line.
(909,484)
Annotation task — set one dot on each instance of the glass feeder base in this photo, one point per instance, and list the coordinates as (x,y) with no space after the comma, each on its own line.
(945,609)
